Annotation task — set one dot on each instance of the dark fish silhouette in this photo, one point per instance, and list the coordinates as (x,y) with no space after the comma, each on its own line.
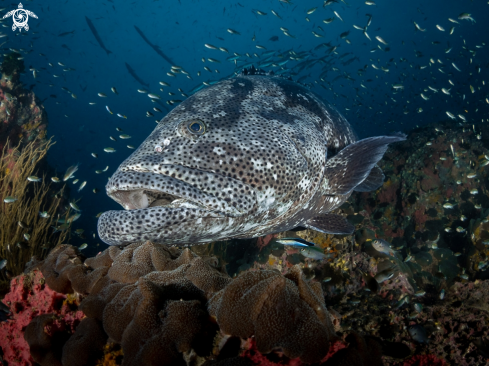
(133,74)
(273,39)
(97,37)
(65,33)
(154,47)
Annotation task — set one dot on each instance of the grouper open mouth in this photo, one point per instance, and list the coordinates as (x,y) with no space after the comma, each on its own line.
(157,205)
(136,190)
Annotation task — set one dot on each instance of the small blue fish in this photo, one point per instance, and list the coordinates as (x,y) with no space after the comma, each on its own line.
(404,300)
(418,333)
(295,242)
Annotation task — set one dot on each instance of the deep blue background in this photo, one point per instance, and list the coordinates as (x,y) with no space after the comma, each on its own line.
(181,28)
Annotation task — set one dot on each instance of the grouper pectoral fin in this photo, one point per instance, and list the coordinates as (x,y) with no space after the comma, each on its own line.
(374,180)
(352,165)
(330,224)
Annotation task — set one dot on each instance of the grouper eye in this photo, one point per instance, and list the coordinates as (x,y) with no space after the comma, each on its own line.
(196,127)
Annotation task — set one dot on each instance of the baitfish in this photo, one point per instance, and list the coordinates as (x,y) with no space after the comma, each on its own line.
(248,156)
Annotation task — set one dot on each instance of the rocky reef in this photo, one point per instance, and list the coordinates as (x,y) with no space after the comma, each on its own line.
(22,117)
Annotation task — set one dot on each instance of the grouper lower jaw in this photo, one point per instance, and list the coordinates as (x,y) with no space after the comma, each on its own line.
(185,226)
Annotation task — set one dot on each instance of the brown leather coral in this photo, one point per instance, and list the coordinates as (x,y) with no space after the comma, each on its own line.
(157,301)
(143,297)
(55,267)
(283,312)
(85,346)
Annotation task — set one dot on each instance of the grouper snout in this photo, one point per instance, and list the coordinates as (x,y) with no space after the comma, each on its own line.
(159,204)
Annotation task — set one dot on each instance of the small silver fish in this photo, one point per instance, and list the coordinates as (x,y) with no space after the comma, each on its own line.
(313,253)
(442,294)
(418,307)
(33,178)
(383,246)
(69,172)
(82,185)
(384,275)
(74,206)
(44,214)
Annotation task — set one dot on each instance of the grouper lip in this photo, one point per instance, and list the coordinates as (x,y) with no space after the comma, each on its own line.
(141,190)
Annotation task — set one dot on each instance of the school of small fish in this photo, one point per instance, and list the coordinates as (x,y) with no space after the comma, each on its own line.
(326,66)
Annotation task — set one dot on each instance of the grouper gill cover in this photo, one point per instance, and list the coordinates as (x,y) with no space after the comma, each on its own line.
(249,156)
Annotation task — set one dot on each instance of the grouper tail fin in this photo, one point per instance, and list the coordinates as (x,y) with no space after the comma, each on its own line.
(356,164)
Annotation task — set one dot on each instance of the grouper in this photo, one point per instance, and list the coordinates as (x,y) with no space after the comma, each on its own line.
(248,156)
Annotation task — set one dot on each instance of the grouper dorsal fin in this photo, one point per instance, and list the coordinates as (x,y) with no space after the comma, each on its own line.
(374,180)
(330,224)
(352,165)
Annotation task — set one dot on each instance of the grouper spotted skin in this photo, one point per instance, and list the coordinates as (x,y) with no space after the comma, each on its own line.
(249,156)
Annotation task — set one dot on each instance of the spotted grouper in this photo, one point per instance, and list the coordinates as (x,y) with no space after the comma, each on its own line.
(249,156)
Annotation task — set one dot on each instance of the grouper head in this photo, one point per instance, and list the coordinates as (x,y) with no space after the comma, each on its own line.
(242,158)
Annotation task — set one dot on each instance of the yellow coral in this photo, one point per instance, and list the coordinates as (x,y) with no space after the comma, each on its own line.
(112,355)
(271,260)
(42,134)
(70,300)
(31,126)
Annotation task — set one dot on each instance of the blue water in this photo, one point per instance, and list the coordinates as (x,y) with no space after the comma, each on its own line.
(181,28)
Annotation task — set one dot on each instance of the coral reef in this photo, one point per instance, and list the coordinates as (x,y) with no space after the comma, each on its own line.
(433,203)
(151,295)
(280,311)
(424,360)
(24,233)
(148,295)
(151,304)
(29,298)
(22,117)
